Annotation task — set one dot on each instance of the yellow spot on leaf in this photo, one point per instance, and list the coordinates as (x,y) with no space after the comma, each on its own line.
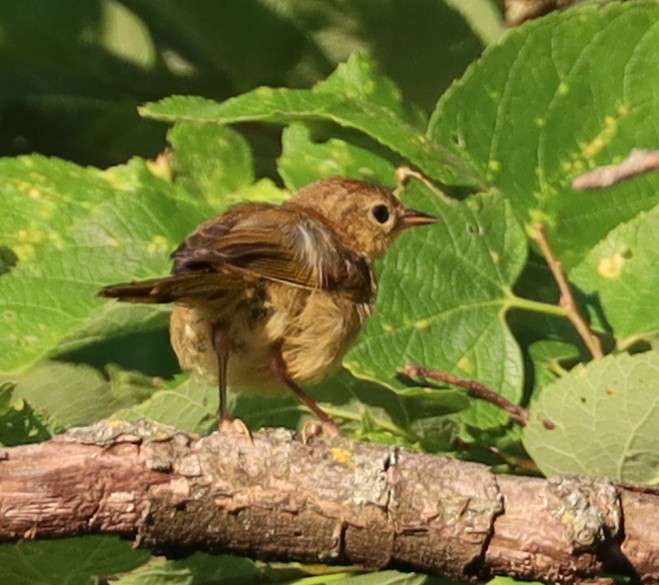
(24,251)
(612,267)
(563,88)
(495,256)
(494,165)
(540,122)
(422,324)
(368,87)
(595,146)
(34,194)
(388,328)
(158,244)
(465,364)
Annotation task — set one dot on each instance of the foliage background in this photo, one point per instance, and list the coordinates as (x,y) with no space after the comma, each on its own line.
(520,114)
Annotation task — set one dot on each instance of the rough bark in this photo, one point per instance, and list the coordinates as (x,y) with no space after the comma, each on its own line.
(331,501)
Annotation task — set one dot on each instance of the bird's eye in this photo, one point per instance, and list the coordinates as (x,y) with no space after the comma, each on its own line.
(380,213)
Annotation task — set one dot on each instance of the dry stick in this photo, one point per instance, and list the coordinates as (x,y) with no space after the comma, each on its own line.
(517,413)
(639,161)
(592,342)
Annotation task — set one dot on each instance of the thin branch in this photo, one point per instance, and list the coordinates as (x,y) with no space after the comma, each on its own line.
(517,413)
(538,234)
(405,173)
(638,162)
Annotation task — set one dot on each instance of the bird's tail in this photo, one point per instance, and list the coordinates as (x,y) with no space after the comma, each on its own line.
(167,289)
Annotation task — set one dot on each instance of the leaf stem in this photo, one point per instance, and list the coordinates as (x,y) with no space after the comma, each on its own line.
(515,302)
(538,234)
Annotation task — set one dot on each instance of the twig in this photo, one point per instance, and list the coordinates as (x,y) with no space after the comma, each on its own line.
(638,162)
(405,173)
(518,413)
(538,234)
(519,11)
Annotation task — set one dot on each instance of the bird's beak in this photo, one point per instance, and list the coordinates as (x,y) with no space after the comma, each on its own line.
(412,218)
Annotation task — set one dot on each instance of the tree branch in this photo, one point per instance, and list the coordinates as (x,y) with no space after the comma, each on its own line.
(336,502)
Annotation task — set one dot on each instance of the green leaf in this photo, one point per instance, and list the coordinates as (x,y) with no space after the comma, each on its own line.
(619,277)
(72,561)
(85,229)
(19,424)
(386,578)
(66,395)
(371,410)
(534,113)
(41,199)
(367,106)
(443,293)
(197,569)
(211,161)
(606,416)
(501,580)
(551,357)
(191,406)
(304,160)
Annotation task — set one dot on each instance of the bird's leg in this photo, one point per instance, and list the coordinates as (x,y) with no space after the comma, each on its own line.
(222,345)
(280,372)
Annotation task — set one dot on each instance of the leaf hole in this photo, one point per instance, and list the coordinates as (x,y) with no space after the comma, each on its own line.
(8,259)
(456,139)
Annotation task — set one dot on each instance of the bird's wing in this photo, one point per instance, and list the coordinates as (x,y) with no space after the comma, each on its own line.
(251,244)
(261,242)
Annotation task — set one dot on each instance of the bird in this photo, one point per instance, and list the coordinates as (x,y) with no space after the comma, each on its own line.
(269,298)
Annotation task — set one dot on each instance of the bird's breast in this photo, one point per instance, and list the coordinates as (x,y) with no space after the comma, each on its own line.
(312,329)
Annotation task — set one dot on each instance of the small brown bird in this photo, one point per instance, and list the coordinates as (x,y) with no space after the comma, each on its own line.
(270,297)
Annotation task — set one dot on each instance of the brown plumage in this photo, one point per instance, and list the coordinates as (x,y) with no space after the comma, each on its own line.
(269,297)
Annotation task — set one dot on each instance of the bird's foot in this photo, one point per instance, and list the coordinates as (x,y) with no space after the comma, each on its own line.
(234,426)
(316,428)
